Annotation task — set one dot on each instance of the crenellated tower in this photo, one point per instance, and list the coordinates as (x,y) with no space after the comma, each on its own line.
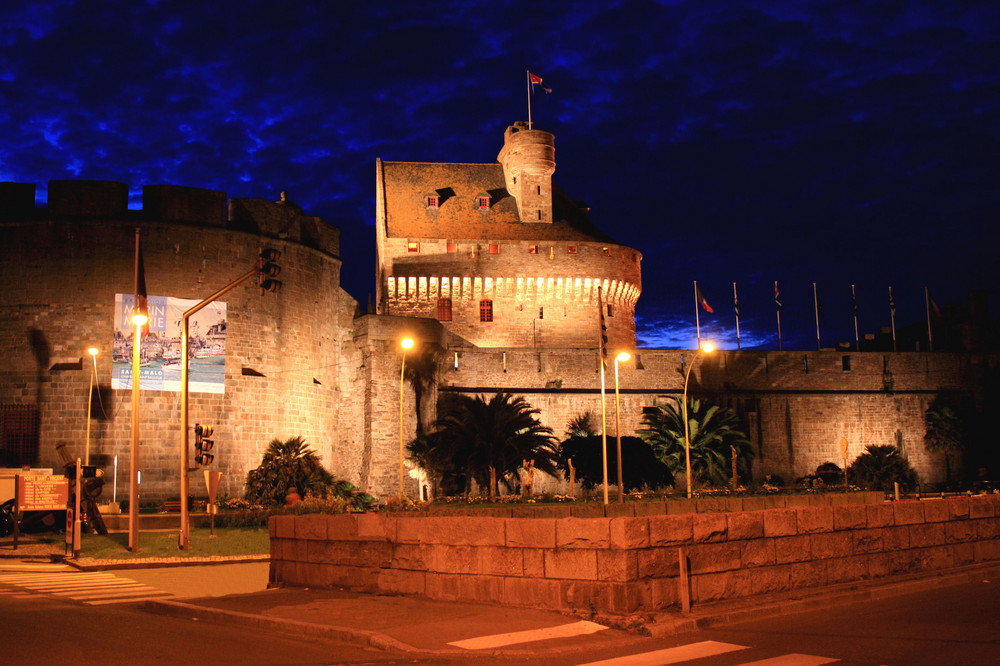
(528,158)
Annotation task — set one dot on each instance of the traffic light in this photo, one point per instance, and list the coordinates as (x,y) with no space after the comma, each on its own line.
(267,270)
(86,471)
(203,444)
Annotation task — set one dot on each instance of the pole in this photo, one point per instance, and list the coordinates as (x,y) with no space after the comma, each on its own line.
(930,334)
(857,338)
(736,307)
(90,401)
(697,315)
(76,515)
(819,346)
(133,484)
(687,431)
(892,318)
(402,369)
(528,74)
(618,436)
(604,434)
(777,312)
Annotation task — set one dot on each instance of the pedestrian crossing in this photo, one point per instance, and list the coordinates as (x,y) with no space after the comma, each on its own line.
(89,587)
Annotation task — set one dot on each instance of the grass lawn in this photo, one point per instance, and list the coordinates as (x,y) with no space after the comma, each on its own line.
(227,541)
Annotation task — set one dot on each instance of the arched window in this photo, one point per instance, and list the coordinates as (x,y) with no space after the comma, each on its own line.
(486,310)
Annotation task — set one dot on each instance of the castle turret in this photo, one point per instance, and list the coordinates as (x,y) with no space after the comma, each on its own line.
(528,158)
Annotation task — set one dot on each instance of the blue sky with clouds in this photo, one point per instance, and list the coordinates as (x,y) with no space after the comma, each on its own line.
(837,142)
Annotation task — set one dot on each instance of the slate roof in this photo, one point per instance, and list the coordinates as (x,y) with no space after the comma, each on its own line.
(458,215)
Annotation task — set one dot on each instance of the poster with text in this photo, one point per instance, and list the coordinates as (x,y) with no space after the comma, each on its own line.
(160,350)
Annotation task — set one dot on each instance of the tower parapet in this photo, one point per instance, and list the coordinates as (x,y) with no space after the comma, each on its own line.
(528,158)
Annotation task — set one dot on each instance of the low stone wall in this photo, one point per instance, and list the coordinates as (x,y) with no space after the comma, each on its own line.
(630,564)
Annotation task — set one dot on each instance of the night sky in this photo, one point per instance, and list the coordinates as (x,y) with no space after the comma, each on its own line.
(836,142)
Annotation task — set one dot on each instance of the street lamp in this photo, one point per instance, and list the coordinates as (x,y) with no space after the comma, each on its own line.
(405,343)
(621,358)
(93,351)
(706,348)
(138,320)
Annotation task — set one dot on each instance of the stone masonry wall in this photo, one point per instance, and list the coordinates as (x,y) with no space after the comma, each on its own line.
(630,563)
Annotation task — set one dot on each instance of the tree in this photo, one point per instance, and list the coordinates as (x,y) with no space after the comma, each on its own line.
(881,466)
(420,370)
(489,439)
(945,430)
(286,465)
(714,433)
(640,466)
(582,425)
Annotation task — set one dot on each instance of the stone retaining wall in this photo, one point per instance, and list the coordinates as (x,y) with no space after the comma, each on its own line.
(630,564)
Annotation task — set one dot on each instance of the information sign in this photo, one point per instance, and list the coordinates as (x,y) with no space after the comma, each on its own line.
(37,492)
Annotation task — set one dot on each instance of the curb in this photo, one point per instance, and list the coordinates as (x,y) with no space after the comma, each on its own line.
(159,562)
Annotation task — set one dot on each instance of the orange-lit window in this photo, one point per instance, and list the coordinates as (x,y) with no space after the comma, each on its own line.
(452,248)
(484,202)
(611,311)
(606,251)
(541,313)
(571,249)
(432,202)
(494,248)
(444,309)
(413,246)
(485,310)
(532,249)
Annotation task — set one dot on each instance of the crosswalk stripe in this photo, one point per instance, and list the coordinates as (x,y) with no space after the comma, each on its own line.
(794,659)
(102,602)
(499,640)
(86,587)
(672,655)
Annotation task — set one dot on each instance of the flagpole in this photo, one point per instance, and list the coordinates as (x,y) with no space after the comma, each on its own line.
(604,405)
(892,317)
(819,346)
(857,339)
(927,303)
(697,319)
(528,75)
(736,307)
(133,486)
(777,312)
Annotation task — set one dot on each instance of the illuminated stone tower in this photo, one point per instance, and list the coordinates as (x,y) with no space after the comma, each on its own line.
(499,254)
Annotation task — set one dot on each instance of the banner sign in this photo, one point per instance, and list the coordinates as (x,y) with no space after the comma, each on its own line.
(160,350)
(38,492)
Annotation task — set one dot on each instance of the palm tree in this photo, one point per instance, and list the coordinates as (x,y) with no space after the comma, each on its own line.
(715,433)
(945,431)
(286,465)
(881,466)
(491,439)
(582,425)
(421,371)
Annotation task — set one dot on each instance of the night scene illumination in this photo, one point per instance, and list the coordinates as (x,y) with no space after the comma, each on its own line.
(836,143)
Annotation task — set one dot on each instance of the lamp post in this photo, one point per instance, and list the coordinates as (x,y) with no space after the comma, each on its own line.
(93,351)
(706,348)
(138,320)
(406,344)
(621,358)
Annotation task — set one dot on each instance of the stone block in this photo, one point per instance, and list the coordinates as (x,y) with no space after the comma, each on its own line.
(399,581)
(711,505)
(415,556)
(957,531)
(770,579)
(987,551)
(657,562)
(958,507)
(745,525)
(757,553)
(879,515)
(310,526)
(708,527)
(896,538)
(617,565)
(587,511)
(283,526)
(775,501)
(714,557)
(671,529)
(575,564)
(780,522)
(531,533)
(936,510)
(443,586)
(963,553)
(663,593)
(583,533)
(499,561)
(791,549)
(297,550)
(926,535)
(619,510)
(342,526)
(831,544)
(629,532)
(850,517)
(551,511)
(624,598)
(754,503)
(276,549)
(867,541)
(650,508)
(581,595)
(724,585)
(533,561)
(987,528)
(369,527)
(907,512)
(677,507)
(807,574)
(532,593)
(982,506)
(481,589)
(814,519)
(846,569)
(935,558)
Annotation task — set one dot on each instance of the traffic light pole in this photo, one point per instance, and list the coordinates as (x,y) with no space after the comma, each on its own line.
(184,537)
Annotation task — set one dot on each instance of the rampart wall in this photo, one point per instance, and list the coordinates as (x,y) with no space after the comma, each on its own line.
(631,563)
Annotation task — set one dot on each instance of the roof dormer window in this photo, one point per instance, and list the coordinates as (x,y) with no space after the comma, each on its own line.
(483,201)
(432,200)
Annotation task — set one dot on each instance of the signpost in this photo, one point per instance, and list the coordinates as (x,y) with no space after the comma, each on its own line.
(38,492)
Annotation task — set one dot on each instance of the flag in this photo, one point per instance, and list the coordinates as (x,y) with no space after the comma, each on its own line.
(141,298)
(736,302)
(702,301)
(604,330)
(777,296)
(934,306)
(535,79)
(892,303)
(854,298)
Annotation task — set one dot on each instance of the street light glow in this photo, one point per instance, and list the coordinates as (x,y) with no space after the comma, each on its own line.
(139,319)
(407,343)
(708,347)
(93,351)
(622,357)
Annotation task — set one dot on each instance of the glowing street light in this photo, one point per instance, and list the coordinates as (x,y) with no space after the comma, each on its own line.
(621,358)
(706,348)
(93,351)
(406,344)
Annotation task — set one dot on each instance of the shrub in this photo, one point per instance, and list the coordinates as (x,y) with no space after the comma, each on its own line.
(291,464)
(879,467)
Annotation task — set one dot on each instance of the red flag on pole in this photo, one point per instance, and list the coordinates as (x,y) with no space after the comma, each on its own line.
(141,298)
(702,301)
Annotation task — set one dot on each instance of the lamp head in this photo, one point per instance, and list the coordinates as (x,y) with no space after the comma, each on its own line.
(622,357)
(139,319)
(93,351)
(708,347)
(406,343)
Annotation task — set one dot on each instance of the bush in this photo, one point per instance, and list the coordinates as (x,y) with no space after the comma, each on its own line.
(292,465)
(879,467)
(640,466)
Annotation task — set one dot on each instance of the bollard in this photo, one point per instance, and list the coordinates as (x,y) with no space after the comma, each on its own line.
(684,580)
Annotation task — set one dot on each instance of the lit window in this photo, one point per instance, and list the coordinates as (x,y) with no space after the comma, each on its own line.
(413,246)
(484,202)
(452,248)
(571,249)
(611,312)
(486,310)
(494,248)
(607,252)
(539,214)
(541,313)
(532,249)
(444,309)
(432,202)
